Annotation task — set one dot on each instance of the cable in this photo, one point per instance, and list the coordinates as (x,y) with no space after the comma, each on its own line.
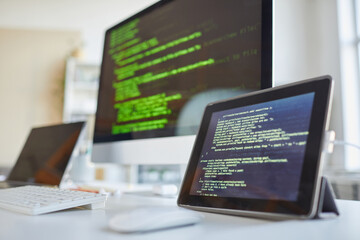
(330,141)
(338,142)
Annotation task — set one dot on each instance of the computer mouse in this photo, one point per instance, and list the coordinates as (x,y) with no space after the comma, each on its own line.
(153,218)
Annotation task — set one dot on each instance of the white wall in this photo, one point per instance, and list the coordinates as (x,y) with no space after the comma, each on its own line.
(32,66)
(91,17)
(305,33)
(307,45)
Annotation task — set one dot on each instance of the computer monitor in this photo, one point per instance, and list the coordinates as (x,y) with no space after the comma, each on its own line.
(163,65)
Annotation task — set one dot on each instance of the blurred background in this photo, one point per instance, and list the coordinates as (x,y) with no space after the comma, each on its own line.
(50,54)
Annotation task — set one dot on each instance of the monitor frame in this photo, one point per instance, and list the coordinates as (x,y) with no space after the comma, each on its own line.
(126,151)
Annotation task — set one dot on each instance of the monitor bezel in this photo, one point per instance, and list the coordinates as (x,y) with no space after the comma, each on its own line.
(306,203)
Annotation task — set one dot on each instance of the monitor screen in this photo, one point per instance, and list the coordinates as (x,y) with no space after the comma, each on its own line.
(162,66)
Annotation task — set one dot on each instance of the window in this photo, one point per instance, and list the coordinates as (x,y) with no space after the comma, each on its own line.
(349,32)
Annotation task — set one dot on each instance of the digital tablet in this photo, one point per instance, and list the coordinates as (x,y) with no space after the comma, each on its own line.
(260,154)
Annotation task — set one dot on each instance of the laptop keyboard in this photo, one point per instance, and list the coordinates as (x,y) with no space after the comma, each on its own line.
(35,200)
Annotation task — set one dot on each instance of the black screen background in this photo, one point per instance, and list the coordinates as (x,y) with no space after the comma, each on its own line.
(238,66)
(263,180)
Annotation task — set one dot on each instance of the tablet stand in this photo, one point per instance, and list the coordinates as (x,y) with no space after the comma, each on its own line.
(326,205)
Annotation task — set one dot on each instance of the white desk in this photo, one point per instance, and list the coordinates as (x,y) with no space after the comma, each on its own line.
(92,224)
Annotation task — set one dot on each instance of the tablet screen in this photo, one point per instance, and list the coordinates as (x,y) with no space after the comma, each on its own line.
(255,151)
(260,152)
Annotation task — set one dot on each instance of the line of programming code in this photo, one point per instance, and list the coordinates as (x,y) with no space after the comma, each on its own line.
(158,63)
(255,151)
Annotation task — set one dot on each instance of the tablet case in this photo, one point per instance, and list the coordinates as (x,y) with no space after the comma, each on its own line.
(326,205)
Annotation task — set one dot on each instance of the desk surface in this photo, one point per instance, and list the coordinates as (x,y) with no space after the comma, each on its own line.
(92,224)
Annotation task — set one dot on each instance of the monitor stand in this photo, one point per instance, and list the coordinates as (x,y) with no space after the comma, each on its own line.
(326,205)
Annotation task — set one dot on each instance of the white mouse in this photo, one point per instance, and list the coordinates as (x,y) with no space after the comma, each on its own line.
(152,219)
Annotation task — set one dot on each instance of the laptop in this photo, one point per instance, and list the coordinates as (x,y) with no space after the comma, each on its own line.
(45,156)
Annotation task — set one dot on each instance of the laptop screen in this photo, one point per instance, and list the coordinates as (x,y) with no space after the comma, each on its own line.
(46,154)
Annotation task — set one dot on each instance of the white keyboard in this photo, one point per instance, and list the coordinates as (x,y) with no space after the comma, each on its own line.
(34,200)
